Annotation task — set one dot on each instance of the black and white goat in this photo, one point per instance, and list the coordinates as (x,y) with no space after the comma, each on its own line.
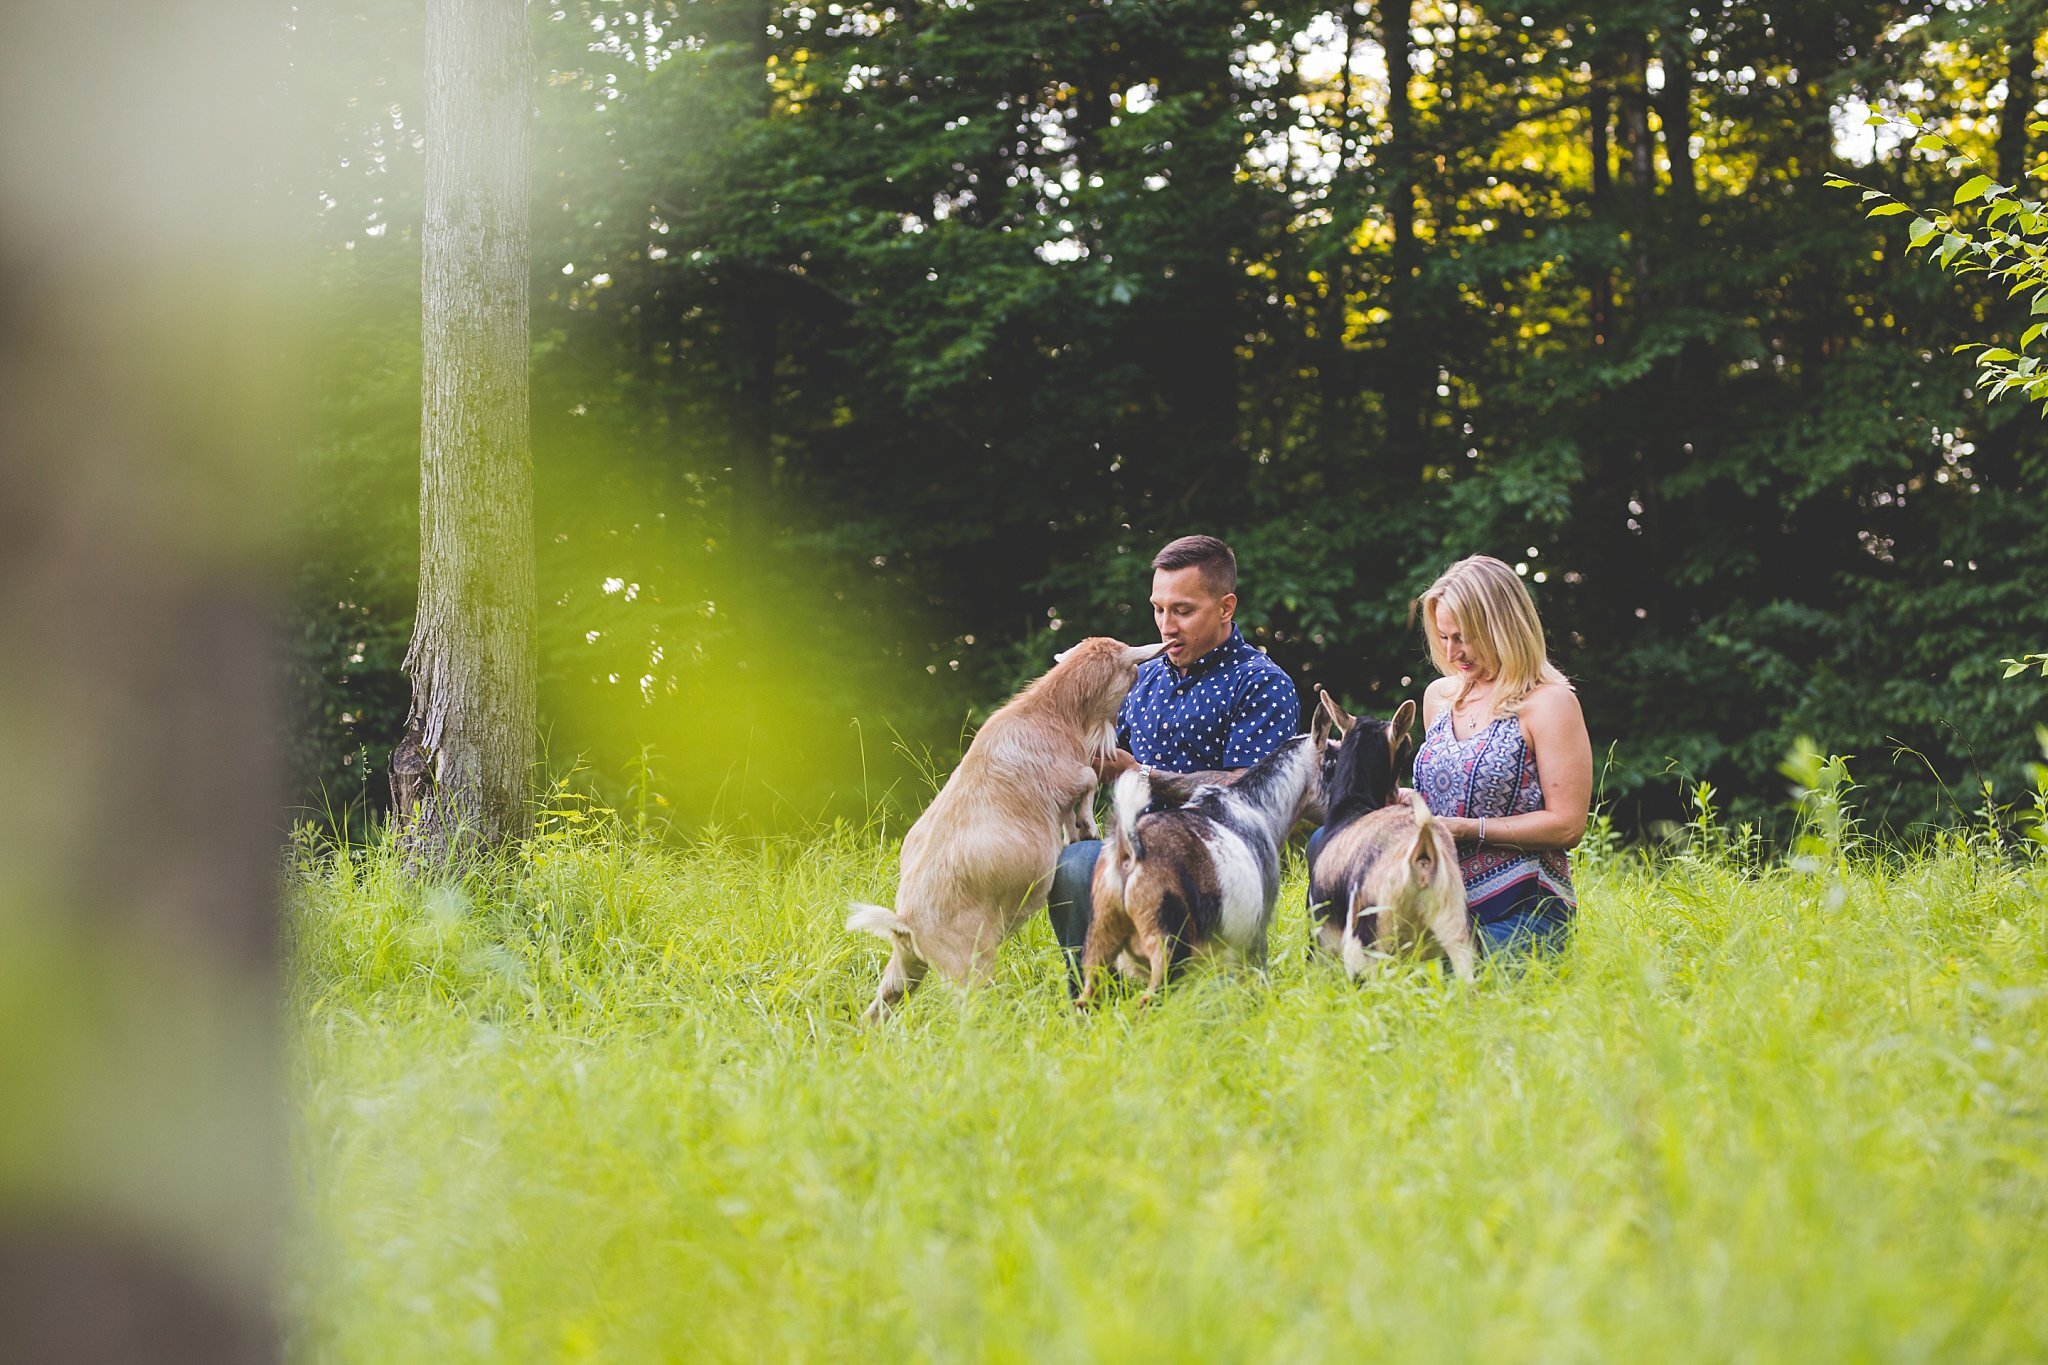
(1202,877)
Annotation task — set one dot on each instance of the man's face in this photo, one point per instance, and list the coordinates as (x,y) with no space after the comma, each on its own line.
(1191,619)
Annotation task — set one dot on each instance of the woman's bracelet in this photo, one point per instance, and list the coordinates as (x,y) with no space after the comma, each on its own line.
(1482,829)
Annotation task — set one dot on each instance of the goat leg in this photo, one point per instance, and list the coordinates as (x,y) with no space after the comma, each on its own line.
(899,977)
(1162,953)
(1107,934)
(1456,940)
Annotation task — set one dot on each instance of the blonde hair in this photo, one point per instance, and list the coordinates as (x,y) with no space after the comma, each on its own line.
(1502,632)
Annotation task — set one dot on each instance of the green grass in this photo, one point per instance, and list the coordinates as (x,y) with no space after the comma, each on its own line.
(609,1102)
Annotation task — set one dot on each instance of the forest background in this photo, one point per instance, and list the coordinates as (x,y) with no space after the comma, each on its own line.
(877,348)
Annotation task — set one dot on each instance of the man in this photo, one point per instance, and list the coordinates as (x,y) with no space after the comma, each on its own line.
(1209,703)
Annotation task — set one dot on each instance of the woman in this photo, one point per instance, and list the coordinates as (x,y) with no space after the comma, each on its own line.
(1505,763)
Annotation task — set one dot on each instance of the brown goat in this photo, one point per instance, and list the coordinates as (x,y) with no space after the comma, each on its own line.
(1386,872)
(1198,878)
(977,863)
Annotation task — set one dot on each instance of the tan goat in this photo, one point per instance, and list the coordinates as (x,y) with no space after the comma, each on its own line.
(977,863)
(1385,871)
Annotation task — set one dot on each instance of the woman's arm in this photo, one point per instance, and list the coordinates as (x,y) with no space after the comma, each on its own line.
(1555,728)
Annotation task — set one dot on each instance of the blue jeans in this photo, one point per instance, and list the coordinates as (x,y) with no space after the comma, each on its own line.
(1529,925)
(1070,902)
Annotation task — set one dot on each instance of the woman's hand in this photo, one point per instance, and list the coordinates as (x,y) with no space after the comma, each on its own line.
(1115,763)
(1555,729)
(1462,830)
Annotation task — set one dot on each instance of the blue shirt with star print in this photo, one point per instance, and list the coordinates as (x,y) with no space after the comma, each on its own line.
(1228,709)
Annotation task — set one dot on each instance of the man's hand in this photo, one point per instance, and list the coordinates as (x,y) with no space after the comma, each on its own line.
(1114,763)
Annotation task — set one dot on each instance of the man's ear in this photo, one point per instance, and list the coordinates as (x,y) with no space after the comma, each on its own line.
(1229,601)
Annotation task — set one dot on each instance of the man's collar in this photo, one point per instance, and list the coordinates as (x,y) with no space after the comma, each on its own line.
(1233,647)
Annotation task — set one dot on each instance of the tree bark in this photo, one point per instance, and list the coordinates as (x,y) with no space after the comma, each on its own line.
(460,773)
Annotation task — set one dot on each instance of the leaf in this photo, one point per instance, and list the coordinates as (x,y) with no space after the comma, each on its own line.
(1836,182)
(2027,337)
(1887,210)
(1933,142)
(1950,245)
(1975,188)
(1919,232)
(2040,303)
(1995,354)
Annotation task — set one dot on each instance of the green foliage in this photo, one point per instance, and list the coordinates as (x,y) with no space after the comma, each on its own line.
(608,1100)
(2005,240)
(903,336)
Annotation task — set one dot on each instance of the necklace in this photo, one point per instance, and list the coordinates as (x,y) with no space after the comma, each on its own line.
(1473,699)
(1468,708)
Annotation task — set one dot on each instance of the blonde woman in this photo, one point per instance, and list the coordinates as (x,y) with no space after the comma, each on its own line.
(1505,762)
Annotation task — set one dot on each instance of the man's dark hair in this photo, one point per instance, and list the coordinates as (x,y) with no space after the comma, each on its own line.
(1210,555)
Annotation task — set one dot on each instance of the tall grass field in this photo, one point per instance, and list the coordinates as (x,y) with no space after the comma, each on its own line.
(607,1100)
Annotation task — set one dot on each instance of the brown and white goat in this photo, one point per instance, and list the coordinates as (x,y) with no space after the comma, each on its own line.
(1385,880)
(1201,878)
(977,863)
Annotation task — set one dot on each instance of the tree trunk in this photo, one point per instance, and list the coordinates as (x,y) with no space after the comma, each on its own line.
(736,38)
(460,773)
(1674,111)
(2020,95)
(1335,389)
(1635,114)
(1407,369)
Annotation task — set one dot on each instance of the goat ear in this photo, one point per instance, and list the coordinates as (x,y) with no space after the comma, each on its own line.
(1398,728)
(1061,657)
(1137,654)
(1333,714)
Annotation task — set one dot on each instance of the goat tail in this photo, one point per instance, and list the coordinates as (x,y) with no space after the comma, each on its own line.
(882,922)
(1423,856)
(1128,800)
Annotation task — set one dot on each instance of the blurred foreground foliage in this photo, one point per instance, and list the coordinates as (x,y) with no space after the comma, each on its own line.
(878,348)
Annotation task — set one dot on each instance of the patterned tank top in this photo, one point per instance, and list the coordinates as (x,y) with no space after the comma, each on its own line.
(1491,774)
